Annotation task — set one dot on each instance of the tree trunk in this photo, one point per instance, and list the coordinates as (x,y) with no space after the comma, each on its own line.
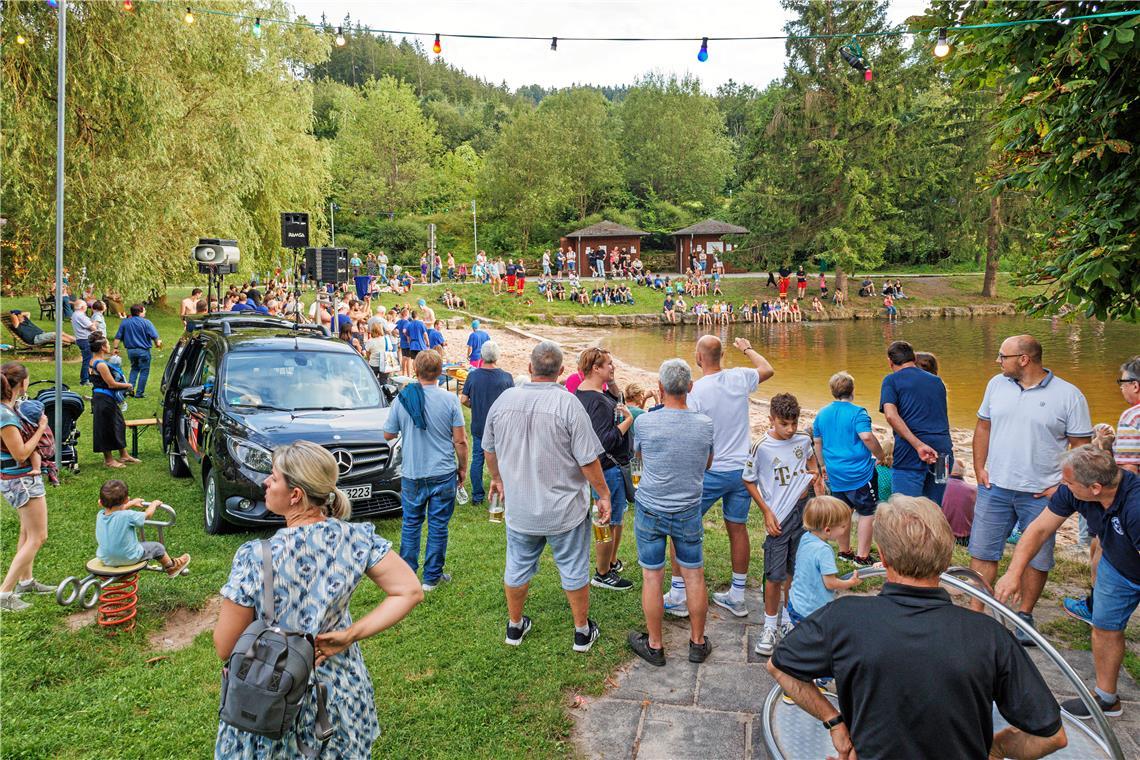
(993,230)
(841,280)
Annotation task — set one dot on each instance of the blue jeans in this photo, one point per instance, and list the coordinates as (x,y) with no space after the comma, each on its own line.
(919,483)
(433,498)
(140,368)
(85,368)
(477,492)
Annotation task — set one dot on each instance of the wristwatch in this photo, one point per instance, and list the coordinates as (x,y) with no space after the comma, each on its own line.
(830,724)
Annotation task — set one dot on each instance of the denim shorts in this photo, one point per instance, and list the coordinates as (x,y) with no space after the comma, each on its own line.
(729,487)
(794,616)
(616,482)
(684,529)
(1115,598)
(780,551)
(996,512)
(864,499)
(571,552)
(19,491)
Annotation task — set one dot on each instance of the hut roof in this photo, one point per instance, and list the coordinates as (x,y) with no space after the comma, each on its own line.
(606,228)
(712,227)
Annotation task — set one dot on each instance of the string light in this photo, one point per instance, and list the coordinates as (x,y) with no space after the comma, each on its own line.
(128,5)
(852,52)
(942,49)
(703,55)
(21,39)
(554,44)
(257,27)
(340,41)
(189,17)
(436,47)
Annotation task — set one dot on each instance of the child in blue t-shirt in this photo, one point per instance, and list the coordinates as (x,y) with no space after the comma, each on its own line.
(816,577)
(115,528)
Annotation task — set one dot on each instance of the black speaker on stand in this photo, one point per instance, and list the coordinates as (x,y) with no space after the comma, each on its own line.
(327,265)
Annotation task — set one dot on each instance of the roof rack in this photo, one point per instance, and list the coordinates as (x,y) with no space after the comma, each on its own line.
(227,321)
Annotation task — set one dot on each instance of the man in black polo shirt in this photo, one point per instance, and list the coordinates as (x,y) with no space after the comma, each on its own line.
(916,675)
(1109,498)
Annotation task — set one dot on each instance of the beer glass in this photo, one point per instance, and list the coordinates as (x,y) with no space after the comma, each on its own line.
(495,509)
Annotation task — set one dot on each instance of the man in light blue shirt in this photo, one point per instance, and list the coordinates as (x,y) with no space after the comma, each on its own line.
(430,423)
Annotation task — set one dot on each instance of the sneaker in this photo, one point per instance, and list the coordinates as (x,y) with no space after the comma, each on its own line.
(1014,537)
(785,628)
(700,652)
(1074,608)
(767,641)
(738,608)
(676,608)
(515,634)
(639,643)
(1023,638)
(583,641)
(611,580)
(1076,707)
(12,603)
(32,586)
(863,561)
(433,585)
(178,565)
(849,556)
(617,566)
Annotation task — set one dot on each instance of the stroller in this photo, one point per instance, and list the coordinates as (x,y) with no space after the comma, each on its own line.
(68,436)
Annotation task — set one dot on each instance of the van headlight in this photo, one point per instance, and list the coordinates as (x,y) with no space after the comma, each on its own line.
(251,455)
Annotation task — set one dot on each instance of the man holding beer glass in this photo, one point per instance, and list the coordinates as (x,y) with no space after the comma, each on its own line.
(676,446)
(542,452)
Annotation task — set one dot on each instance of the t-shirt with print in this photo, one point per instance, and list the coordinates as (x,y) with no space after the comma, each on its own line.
(779,470)
(1127,446)
(850,465)
(1117,527)
(921,401)
(723,398)
(115,532)
(429,452)
(814,559)
(674,446)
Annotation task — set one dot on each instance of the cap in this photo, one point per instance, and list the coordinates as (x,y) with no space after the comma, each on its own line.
(474,324)
(422,302)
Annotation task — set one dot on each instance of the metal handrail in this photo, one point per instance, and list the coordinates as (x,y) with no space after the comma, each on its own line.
(953,578)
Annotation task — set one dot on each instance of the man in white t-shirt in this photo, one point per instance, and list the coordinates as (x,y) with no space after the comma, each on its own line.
(722,395)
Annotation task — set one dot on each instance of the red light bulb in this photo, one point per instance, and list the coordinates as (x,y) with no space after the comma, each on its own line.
(128,5)
(867,75)
(436,48)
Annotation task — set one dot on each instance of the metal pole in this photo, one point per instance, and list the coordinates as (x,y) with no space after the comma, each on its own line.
(475,226)
(332,222)
(61,89)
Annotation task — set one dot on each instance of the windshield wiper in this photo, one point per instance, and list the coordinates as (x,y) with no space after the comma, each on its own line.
(322,409)
(260,406)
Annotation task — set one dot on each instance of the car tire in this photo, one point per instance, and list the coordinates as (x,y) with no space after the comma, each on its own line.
(213,510)
(177,464)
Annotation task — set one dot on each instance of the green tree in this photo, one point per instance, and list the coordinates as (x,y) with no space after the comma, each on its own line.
(172,132)
(1066,124)
(587,150)
(673,140)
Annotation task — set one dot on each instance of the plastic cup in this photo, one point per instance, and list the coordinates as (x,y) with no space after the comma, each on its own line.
(942,468)
(495,509)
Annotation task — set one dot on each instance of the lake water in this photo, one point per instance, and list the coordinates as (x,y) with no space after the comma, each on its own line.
(805,355)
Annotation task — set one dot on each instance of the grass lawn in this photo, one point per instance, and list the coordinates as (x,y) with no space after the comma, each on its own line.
(446,685)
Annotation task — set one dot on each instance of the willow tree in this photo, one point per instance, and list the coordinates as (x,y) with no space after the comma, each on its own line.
(173,131)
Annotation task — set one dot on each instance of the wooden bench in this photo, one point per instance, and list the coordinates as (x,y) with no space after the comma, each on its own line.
(21,346)
(135,426)
(47,307)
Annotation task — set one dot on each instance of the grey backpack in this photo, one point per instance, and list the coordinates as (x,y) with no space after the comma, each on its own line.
(269,674)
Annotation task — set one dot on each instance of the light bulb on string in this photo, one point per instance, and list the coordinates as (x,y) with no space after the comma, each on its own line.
(21,39)
(340,41)
(52,3)
(554,44)
(942,48)
(867,75)
(703,55)
(128,5)
(257,27)
(189,17)
(436,47)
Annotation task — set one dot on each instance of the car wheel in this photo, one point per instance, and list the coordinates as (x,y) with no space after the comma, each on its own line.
(178,468)
(214,520)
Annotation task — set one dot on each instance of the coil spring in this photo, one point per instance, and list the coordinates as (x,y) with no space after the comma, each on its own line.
(117,603)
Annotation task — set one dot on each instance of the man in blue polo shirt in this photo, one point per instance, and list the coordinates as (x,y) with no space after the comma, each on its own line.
(475,343)
(1109,498)
(243,304)
(417,334)
(1028,417)
(137,334)
(914,403)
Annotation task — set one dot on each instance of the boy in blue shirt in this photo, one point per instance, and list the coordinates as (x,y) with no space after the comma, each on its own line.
(115,527)
(816,577)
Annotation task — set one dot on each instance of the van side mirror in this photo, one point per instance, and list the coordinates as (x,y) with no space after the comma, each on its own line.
(192,395)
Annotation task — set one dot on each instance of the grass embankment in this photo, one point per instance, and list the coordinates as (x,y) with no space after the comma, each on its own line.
(446,685)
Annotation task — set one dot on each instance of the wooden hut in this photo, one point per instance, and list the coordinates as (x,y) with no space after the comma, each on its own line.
(705,236)
(604,234)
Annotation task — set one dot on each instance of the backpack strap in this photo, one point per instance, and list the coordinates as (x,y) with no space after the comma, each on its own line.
(267,611)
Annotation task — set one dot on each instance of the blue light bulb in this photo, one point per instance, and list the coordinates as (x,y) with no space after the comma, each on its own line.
(704,54)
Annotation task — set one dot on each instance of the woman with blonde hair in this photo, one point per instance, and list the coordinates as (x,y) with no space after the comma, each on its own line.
(318,559)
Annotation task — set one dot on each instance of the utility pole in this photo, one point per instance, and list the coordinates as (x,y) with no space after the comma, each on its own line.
(60,114)
(332,222)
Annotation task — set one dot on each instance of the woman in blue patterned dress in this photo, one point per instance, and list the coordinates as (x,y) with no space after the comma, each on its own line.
(317,561)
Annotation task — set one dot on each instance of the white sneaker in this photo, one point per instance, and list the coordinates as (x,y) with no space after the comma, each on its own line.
(786,627)
(677,608)
(443,578)
(736,607)
(12,603)
(769,637)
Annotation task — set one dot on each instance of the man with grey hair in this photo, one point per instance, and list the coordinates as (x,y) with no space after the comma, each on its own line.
(481,389)
(1108,496)
(676,448)
(1027,418)
(543,453)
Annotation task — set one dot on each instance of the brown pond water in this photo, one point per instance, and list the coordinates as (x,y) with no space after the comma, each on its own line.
(806,354)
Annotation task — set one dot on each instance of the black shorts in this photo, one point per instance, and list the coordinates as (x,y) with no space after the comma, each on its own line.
(410,353)
(864,499)
(780,551)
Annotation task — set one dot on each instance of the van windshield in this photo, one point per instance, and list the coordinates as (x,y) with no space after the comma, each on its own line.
(294,380)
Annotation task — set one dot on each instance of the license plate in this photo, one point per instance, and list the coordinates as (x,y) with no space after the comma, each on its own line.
(358,492)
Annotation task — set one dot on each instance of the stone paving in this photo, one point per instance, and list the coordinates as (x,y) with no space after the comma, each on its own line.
(685,711)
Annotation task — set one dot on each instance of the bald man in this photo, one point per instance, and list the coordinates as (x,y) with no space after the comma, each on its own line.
(1028,418)
(722,395)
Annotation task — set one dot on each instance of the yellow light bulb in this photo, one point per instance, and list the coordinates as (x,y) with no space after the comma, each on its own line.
(21,40)
(189,17)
